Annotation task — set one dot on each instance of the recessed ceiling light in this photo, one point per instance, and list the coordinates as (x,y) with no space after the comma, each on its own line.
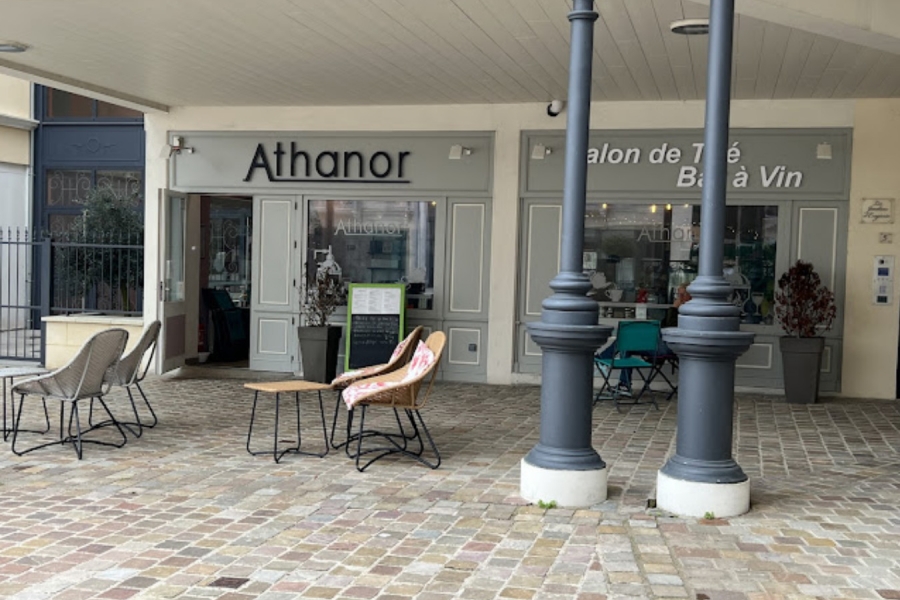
(690,26)
(12,47)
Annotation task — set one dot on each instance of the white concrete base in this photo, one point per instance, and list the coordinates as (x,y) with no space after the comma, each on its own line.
(570,489)
(695,499)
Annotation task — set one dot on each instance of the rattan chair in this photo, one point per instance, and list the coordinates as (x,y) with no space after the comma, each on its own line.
(130,371)
(399,390)
(81,378)
(399,357)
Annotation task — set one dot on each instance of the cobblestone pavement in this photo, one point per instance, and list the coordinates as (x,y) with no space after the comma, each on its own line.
(184,512)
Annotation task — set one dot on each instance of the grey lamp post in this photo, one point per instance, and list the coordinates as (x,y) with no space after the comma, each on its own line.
(563,466)
(702,476)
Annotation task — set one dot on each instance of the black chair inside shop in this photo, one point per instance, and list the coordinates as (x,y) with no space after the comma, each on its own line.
(230,326)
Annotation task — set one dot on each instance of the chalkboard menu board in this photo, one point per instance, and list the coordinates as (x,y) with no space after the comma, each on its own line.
(375,321)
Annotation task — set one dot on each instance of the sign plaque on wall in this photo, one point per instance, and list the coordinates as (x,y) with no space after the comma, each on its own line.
(375,322)
(878,210)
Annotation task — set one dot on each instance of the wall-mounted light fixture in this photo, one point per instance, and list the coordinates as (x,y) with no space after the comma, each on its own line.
(12,47)
(823,151)
(540,151)
(690,26)
(175,147)
(457,151)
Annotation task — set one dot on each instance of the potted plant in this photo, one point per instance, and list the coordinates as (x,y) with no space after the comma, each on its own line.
(320,295)
(805,308)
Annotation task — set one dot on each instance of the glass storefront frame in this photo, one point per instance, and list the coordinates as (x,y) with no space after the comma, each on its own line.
(761,366)
(643,166)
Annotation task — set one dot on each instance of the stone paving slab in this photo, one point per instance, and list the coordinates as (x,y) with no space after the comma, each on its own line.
(184,512)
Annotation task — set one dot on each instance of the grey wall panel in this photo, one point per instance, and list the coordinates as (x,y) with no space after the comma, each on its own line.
(101,146)
(541,254)
(276,243)
(274,333)
(817,238)
(464,346)
(467,243)
(759,356)
(273,340)
(232,161)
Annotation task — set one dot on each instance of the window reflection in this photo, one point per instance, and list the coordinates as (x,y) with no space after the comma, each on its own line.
(375,241)
(639,254)
(227,259)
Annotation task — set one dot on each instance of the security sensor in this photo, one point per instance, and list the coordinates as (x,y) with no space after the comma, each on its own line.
(176,147)
(555,107)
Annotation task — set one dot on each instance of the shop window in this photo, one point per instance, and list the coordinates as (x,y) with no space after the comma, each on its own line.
(68,188)
(229,230)
(375,241)
(638,255)
(123,183)
(66,105)
(61,224)
(105,110)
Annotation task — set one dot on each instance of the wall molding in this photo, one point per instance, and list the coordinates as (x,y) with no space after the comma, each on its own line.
(17,122)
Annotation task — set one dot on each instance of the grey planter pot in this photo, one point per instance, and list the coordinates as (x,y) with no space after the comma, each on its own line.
(318,352)
(802,362)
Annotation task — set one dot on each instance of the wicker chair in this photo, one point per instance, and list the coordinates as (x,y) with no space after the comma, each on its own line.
(400,389)
(401,355)
(130,371)
(81,378)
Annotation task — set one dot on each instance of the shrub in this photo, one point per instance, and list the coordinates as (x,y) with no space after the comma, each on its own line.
(804,305)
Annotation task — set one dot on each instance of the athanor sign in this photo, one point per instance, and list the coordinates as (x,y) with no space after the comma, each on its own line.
(293,164)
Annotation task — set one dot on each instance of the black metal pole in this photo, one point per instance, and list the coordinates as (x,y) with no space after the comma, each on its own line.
(563,466)
(708,339)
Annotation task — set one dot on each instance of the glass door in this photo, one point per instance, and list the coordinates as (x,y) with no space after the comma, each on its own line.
(172,285)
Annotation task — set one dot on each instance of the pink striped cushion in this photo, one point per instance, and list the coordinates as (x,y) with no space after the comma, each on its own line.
(399,349)
(421,361)
(358,391)
(357,373)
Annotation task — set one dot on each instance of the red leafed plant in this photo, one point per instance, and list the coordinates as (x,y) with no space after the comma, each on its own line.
(803,304)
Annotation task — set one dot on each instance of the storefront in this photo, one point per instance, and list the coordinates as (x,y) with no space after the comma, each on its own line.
(368,207)
(813,208)
(788,199)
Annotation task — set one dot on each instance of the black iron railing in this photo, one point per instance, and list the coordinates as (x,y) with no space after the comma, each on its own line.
(21,301)
(97,272)
(63,274)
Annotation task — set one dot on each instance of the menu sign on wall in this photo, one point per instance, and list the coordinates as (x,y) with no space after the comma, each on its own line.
(375,321)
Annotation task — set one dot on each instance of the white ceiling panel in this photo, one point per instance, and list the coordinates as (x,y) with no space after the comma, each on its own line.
(355,52)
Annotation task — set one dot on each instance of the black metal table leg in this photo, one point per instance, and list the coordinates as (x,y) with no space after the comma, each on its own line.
(277,454)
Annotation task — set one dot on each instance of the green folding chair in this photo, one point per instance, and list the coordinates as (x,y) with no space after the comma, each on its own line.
(635,348)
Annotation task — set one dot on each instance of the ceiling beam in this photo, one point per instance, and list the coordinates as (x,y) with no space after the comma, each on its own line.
(851,21)
(61,82)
